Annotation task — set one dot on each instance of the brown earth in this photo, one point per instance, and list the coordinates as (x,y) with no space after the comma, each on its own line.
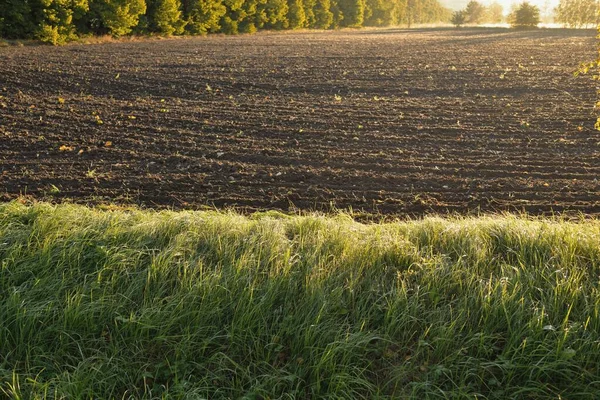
(390,121)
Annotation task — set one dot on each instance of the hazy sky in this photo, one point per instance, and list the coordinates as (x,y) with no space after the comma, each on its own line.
(459,4)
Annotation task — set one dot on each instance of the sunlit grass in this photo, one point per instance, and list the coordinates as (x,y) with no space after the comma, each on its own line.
(141,304)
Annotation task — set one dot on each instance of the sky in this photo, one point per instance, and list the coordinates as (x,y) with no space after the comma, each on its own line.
(460,4)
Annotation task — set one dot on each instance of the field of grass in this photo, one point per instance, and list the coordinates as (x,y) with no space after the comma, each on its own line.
(141,304)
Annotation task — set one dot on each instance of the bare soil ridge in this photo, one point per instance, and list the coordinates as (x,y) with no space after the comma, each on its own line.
(389,121)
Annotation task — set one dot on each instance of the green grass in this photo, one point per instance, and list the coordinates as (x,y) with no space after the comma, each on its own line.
(191,305)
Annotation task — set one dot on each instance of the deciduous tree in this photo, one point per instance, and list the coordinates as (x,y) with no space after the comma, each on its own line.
(338,15)
(474,12)
(353,12)
(165,16)
(296,15)
(117,17)
(275,14)
(379,12)
(55,19)
(204,16)
(526,15)
(323,14)
(15,19)
(494,13)
(458,18)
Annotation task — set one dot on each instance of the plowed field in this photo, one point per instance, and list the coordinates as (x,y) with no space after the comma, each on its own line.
(389,121)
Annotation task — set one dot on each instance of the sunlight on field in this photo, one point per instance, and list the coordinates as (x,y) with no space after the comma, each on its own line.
(140,304)
(299,199)
(541,25)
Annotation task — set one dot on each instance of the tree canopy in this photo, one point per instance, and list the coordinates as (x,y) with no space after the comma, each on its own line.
(474,12)
(526,15)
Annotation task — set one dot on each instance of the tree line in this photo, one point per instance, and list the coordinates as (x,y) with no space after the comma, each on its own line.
(578,13)
(476,13)
(524,15)
(570,13)
(58,21)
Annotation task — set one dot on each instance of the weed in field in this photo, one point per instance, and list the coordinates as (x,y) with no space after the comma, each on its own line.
(53,189)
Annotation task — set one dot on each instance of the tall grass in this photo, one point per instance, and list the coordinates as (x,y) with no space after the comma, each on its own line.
(190,305)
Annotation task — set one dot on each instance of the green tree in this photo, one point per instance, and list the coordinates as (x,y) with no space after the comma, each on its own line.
(54,19)
(474,12)
(526,15)
(379,12)
(15,19)
(458,18)
(323,14)
(274,14)
(338,15)
(309,11)
(353,12)
(165,16)
(254,16)
(117,17)
(296,14)
(234,12)
(204,16)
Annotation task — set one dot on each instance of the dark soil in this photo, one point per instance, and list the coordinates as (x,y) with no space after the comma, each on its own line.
(390,121)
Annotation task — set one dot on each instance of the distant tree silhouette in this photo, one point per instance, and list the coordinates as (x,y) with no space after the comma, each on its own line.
(494,13)
(474,12)
(458,18)
(526,15)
